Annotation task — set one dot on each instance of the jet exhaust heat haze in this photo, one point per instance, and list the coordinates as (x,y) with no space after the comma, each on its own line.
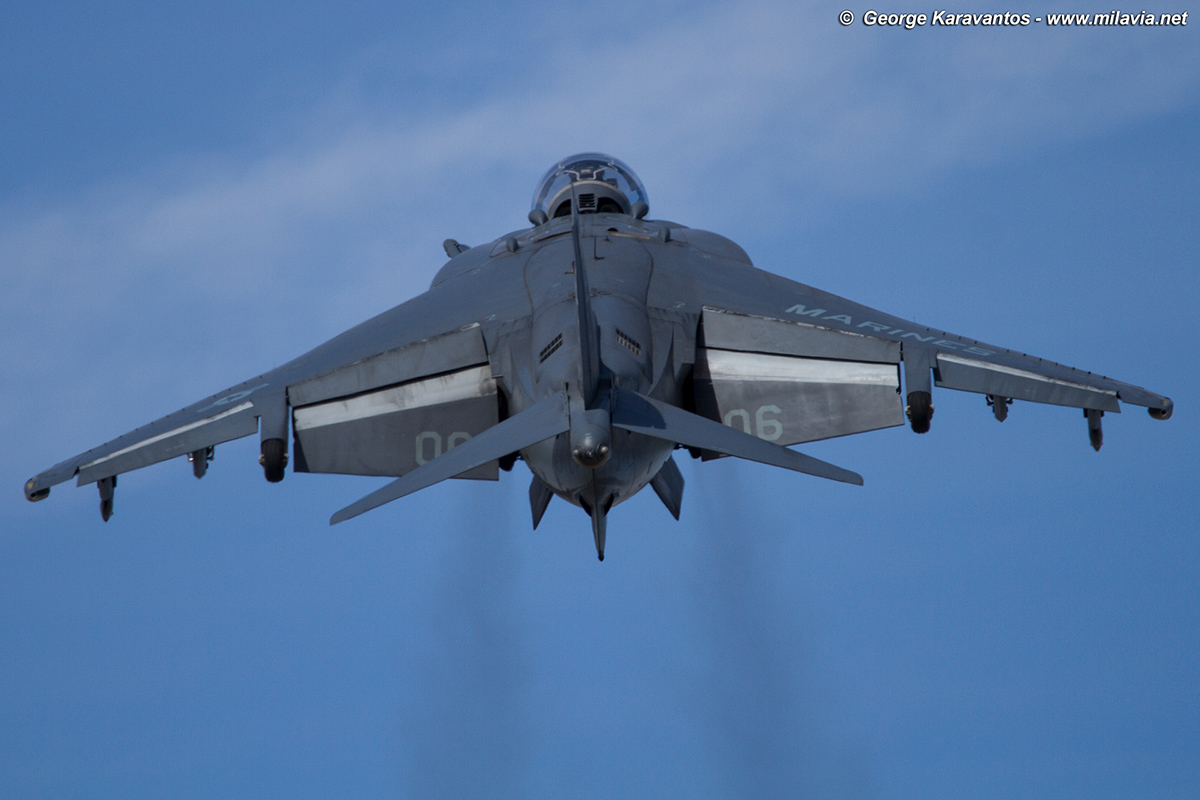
(591,346)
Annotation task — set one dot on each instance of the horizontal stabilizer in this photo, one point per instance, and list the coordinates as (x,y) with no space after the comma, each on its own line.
(633,412)
(542,421)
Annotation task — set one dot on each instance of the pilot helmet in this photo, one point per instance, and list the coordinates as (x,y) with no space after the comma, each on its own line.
(602,185)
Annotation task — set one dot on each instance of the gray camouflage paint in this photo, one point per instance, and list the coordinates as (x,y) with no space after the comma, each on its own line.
(509,308)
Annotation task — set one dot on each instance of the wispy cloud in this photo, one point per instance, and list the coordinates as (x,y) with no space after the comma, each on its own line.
(743,114)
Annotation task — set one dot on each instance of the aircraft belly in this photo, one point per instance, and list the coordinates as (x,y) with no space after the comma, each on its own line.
(635,461)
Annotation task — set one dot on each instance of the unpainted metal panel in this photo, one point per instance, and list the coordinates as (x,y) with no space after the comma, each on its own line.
(790,400)
(756,334)
(970,375)
(445,353)
(392,431)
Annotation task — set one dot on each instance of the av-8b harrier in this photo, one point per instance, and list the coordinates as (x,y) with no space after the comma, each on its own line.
(592,346)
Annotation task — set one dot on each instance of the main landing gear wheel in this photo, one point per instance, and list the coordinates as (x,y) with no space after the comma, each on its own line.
(274,459)
(920,411)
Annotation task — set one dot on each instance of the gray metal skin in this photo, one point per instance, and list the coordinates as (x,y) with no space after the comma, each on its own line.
(672,307)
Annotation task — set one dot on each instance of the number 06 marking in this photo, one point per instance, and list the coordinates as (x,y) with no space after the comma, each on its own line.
(764,427)
(435,438)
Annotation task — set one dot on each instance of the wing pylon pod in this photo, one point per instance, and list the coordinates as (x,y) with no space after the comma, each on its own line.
(106,486)
(999,406)
(1095,431)
(200,459)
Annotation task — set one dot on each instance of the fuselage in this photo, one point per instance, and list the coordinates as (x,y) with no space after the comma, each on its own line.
(619,270)
(646,319)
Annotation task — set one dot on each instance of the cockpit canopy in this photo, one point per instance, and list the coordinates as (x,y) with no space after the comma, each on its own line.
(603,185)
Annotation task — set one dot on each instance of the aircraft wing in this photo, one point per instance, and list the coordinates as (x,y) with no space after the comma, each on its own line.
(421,370)
(792,363)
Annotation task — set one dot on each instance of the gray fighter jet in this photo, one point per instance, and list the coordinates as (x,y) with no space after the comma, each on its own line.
(592,346)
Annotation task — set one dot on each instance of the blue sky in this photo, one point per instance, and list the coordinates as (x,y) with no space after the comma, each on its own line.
(191,197)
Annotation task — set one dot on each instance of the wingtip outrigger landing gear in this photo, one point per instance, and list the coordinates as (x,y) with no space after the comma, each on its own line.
(1164,412)
(34,494)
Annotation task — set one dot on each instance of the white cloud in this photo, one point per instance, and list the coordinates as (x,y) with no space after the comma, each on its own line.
(726,112)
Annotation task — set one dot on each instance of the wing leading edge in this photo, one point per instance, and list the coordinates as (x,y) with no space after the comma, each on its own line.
(749,318)
(402,357)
